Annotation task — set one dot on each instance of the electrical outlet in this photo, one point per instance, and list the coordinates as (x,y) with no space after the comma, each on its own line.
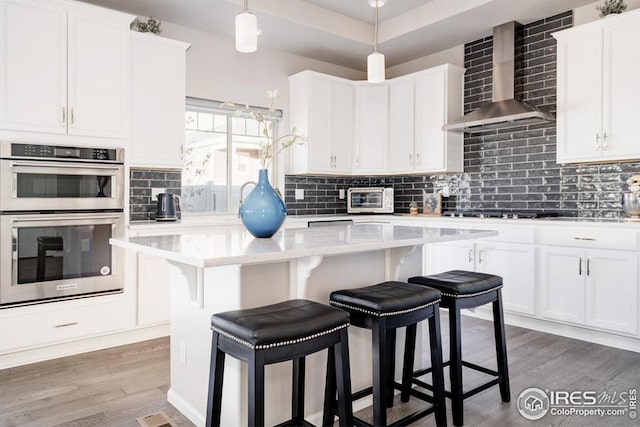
(341,194)
(299,194)
(156,191)
(183,353)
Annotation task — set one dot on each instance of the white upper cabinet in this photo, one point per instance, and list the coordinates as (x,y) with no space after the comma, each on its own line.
(401,152)
(392,127)
(157,100)
(70,76)
(33,75)
(372,124)
(598,90)
(438,99)
(322,109)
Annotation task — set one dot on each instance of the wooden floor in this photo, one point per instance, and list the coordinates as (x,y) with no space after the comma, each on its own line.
(113,387)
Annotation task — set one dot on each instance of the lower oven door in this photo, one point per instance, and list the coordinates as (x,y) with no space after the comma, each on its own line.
(58,256)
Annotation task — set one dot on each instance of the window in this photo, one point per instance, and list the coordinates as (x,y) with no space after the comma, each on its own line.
(222,152)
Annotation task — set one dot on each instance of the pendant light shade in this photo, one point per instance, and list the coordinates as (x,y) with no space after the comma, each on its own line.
(375,68)
(246,31)
(375,61)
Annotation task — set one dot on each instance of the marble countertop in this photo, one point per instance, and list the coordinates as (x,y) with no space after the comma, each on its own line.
(234,245)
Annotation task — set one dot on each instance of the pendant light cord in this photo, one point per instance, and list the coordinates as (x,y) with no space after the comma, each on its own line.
(375,45)
(246,6)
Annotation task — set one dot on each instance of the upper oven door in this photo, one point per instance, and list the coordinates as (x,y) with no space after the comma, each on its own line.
(28,185)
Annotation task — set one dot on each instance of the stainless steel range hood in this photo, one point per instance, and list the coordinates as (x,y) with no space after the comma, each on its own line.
(505,110)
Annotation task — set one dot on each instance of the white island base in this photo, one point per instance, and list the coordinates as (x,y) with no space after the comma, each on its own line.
(230,270)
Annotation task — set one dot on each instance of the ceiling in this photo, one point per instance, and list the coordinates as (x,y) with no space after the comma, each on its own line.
(341,31)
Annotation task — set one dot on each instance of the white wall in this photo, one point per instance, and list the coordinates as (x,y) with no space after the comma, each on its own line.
(588,13)
(455,56)
(216,71)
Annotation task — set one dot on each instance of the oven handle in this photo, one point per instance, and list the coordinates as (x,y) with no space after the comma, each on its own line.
(55,165)
(65,217)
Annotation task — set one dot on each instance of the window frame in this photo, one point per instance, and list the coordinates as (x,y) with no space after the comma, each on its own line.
(216,107)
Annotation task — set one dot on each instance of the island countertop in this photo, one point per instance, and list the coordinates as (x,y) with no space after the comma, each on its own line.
(234,245)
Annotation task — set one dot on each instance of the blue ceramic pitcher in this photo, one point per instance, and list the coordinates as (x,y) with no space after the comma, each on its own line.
(263,212)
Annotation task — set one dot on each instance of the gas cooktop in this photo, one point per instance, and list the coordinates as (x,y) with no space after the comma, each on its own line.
(500,214)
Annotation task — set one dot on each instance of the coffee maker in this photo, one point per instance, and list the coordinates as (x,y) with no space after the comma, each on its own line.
(168,207)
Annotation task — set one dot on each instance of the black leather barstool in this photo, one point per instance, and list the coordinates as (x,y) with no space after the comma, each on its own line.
(275,333)
(383,308)
(467,289)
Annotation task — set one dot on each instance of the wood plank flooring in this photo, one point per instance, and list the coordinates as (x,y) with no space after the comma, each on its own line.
(113,387)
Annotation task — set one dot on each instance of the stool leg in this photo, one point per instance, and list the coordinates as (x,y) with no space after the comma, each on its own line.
(391,362)
(345,406)
(216,377)
(330,389)
(297,395)
(380,367)
(437,375)
(455,367)
(256,389)
(501,348)
(408,362)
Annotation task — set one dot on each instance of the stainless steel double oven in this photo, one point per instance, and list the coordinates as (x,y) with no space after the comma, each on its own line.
(59,206)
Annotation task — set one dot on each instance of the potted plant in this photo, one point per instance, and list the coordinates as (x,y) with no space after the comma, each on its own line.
(151,26)
(413,208)
(611,6)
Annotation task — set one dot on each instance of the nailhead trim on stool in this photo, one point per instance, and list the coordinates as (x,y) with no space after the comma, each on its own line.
(286,331)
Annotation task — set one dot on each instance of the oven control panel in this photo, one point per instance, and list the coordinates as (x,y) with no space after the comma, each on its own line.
(54,152)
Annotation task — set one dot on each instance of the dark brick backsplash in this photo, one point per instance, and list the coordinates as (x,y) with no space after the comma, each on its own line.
(506,169)
(141,181)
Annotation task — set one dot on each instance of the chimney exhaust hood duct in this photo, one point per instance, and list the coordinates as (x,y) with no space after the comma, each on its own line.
(504,110)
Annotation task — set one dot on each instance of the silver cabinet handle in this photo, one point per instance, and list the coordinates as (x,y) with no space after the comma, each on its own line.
(589,239)
(410,159)
(64,116)
(72,117)
(357,161)
(64,325)
(335,161)
(580,267)
(588,266)
(417,159)
(597,141)
(470,256)
(604,144)
(480,257)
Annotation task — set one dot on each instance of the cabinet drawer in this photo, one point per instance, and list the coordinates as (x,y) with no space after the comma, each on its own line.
(58,325)
(590,238)
(509,233)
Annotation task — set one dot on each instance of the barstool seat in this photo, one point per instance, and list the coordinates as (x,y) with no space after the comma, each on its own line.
(468,289)
(279,332)
(460,283)
(383,308)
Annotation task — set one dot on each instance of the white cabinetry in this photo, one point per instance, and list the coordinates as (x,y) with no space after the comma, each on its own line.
(322,109)
(157,101)
(372,125)
(598,90)
(438,99)
(401,151)
(153,289)
(64,68)
(588,284)
(514,262)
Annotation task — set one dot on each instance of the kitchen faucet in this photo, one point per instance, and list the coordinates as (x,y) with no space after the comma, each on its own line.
(241,191)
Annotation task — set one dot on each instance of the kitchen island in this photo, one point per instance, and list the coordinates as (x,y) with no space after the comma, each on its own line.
(228,269)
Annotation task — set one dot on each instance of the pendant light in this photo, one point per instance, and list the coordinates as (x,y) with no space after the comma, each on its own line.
(375,61)
(246,30)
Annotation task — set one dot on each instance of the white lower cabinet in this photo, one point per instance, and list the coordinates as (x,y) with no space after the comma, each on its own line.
(153,290)
(59,322)
(592,287)
(515,263)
